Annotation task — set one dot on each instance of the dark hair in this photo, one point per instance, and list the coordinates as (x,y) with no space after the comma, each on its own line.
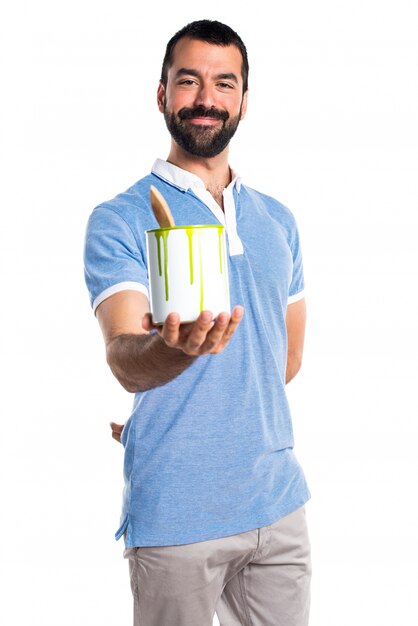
(212,32)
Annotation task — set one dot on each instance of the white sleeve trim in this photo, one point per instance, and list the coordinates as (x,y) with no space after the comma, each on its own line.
(127,285)
(296,297)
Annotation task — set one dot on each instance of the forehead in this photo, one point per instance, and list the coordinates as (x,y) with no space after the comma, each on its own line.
(205,57)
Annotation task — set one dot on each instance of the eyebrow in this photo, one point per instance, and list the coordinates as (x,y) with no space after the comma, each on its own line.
(191,72)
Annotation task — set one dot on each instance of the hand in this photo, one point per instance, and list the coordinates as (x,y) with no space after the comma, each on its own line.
(116,430)
(204,336)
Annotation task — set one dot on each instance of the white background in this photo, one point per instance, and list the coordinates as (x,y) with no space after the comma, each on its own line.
(332,132)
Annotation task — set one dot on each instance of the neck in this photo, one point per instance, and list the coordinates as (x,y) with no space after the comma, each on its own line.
(214,172)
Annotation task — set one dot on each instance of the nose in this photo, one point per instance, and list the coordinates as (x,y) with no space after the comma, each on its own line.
(205,96)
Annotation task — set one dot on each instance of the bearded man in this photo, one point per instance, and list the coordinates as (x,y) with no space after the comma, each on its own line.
(213,512)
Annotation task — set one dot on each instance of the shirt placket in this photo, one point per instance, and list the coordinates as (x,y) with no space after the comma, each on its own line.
(235,243)
(227,217)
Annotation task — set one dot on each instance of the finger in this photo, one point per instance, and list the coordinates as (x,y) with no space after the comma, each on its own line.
(116,430)
(116,427)
(227,330)
(236,317)
(147,322)
(237,314)
(198,333)
(170,329)
(216,333)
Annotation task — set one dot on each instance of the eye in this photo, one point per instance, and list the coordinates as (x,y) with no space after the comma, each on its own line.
(187,81)
(225,86)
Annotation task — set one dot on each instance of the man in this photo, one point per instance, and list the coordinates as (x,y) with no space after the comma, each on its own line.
(213,492)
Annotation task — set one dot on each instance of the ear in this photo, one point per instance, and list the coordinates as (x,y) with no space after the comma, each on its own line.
(161,97)
(244,105)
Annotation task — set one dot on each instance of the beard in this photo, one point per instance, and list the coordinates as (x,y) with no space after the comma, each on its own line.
(197,139)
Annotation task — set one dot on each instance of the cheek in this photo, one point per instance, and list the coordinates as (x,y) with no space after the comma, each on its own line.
(233,107)
(175,102)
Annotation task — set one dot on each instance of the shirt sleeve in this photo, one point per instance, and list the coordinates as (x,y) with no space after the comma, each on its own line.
(113,259)
(297,284)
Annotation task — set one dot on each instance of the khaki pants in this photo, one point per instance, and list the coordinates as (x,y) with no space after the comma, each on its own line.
(257,578)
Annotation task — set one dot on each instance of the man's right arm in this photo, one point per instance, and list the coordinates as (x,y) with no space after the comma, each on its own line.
(141,360)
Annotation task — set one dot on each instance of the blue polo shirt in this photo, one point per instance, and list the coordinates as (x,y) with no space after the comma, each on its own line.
(210,453)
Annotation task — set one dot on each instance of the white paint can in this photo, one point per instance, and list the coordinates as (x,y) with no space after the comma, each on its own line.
(188,271)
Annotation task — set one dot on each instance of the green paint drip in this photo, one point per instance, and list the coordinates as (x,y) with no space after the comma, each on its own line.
(158,236)
(189,232)
(202,287)
(165,238)
(220,247)
(164,235)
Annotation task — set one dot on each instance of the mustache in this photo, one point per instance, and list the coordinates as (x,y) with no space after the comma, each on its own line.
(201,111)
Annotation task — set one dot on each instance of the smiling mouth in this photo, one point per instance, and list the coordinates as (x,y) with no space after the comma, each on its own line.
(204,121)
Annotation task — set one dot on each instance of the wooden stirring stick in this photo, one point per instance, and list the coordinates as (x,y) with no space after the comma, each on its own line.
(161,209)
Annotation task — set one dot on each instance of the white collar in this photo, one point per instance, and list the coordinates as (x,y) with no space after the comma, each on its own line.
(186,180)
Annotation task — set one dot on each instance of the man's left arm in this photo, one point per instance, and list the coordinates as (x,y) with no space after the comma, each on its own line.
(295,324)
